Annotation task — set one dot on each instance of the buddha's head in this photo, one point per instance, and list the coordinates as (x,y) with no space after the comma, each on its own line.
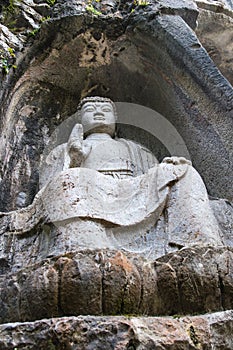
(97,115)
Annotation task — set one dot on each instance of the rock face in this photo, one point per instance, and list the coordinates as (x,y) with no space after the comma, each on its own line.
(105,333)
(153,54)
(215,31)
(191,281)
(141,57)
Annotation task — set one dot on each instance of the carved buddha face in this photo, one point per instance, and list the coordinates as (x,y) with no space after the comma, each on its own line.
(98,117)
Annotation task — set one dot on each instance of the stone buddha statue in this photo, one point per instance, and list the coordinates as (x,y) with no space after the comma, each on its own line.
(101,150)
(101,191)
(93,144)
(105,230)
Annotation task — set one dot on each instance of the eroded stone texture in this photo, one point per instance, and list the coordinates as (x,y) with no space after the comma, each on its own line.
(213,331)
(192,280)
(104,192)
(141,57)
(149,214)
(215,33)
(152,57)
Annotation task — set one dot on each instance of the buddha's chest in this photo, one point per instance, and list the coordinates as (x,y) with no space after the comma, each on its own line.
(109,156)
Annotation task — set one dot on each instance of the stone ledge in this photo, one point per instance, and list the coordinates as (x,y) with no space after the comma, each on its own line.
(217,7)
(210,331)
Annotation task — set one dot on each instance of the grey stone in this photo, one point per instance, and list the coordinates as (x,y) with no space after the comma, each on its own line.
(149,56)
(166,43)
(21,200)
(210,332)
(224,213)
(214,30)
(190,281)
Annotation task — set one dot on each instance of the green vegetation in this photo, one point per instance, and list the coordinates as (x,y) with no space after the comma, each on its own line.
(90,8)
(6,66)
(7,60)
(10,13)
(44,19)
(176,316)
(33,32)
(12,6)
(92,5)
(141,2)
(51,2)
(11,52)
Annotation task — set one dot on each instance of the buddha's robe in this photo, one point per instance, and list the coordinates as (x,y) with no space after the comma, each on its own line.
(124,188)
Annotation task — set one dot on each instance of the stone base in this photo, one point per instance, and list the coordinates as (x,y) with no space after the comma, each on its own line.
(210,331)
(96,282)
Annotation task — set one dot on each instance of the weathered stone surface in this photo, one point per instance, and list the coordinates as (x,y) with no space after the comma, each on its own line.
(23,16)
(41,281)
(215,33)
(75,212)
(138,57)
(210,332)
(80,285)
(192,280)
(223,211)
(148,56)
(63,218)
